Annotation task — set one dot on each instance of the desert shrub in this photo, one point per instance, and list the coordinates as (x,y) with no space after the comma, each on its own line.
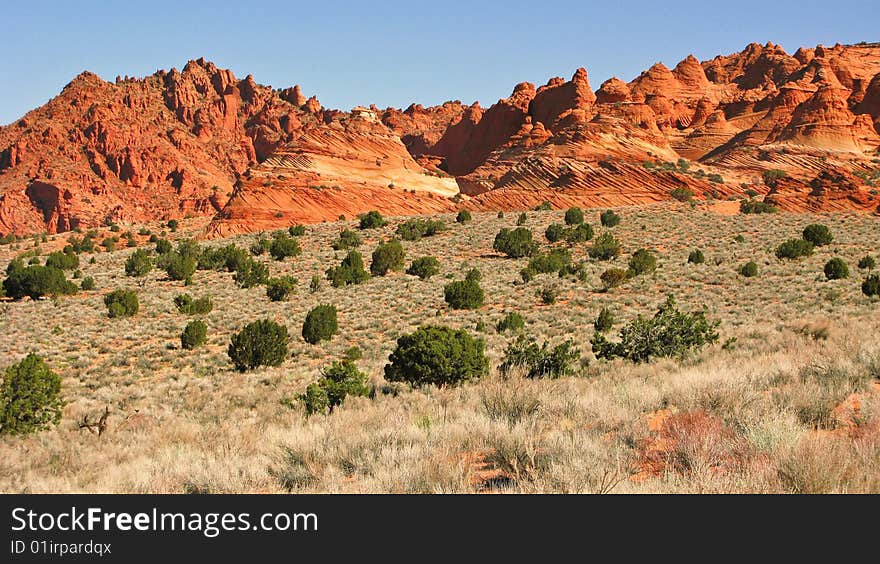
(189,248)
(527,274)
(424,267)
(15,264)
(605,247)
(515,243)
(522,219)
(544,206)
(84,245)
(315,283)
(195,334)
(794,248)
(138,264)
(540,361)
(251,273)
(696,257)
(553,261)
(296,230)
(415,229)
(261,343)
(772,176)
(871,285)
(548,294)
(109,244)
(682,194)
(579,233)
(817,234)
(338,381)
(187,305)
(739,239)
(609,219)
(260,246)
(352,354)
(173,225)
(555,232)
(613,277)
(347,239)
(867,262)
(387,256)
(371,220)
(574,216)
(36,281)
(228,258)
(605,320)
(670,333)
(641,262)
(178,266)
(464,294)
(513,321)
(437,355)
(836,269)
(749,269)
(63,260)
(121,303)
(279,289)
(463,216)
(320,324)
(163,246)
(283,247)
(350,271)
(756,206)
(87,284)
(30,397)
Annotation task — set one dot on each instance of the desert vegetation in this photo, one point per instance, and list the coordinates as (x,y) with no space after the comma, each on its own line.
(674,374)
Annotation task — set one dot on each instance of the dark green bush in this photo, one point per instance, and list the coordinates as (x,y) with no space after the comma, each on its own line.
(818,235)
(36,281)
(579,233)
(387,256)
(251,273)
(548,294)
(371,220)
(670,333)
(163,246)
(682,194)
(555,232)
(609,219)
(320,324)
(605,321)
(540,361)
(315,283)
(605,247)
(283,247)
(696,257)
(279,289)
(261,343)
(613,277)
(641,262)
(296,230)
(871,285)
(340,380)
(121,303)
(463,216)
(544,206)
(229,258)
(553,261)
(522,219)
(187,305)
(415,229)
(515,243)
(749,269)
(756,206)
(178,266)
(260,246)
(30,397)
(773,176)
(836,269)
(63,261)
(424,267)
(350,271)
(173,225)
(867,262)
(138,264)
(348,239)
(195,334)
(464,294)
(794,248)
(437,355)
(511,322)
(574,216)
(87,284)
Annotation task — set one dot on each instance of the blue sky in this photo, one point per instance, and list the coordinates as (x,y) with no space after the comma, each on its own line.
(393,53)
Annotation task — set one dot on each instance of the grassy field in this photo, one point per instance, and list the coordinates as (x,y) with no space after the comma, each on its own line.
(787,401)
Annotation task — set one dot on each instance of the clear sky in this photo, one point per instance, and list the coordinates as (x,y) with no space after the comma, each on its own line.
(392,53)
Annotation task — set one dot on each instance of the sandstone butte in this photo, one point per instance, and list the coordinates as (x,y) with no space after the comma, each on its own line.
(202,142)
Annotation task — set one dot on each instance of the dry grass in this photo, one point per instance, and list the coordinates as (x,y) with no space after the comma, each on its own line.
(789,406)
